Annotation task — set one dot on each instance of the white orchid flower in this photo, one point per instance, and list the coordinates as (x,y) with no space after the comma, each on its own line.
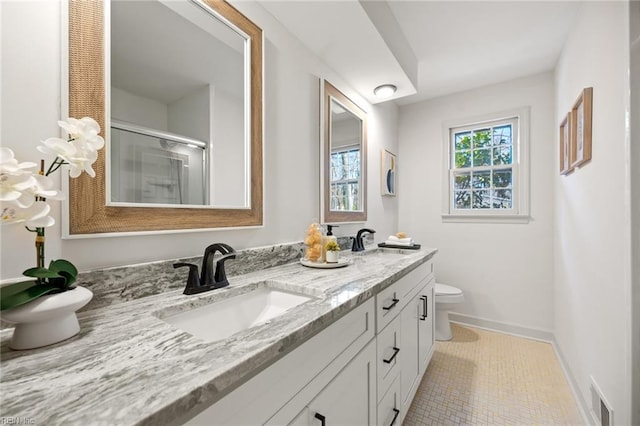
(9,164)
(44,188)
(86,130)
(13,188)
(15,178)
(83,159)
(58,147)
(35,216)
(79,154)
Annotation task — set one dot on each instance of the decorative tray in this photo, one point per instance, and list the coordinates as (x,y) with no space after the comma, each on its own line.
(341,263)
(400,246)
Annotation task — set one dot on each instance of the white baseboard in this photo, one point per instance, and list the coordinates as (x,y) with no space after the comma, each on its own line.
(583,407)
(535,334)
(503,327)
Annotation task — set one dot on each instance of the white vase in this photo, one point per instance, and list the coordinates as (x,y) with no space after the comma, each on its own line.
(47,319)
(332,256)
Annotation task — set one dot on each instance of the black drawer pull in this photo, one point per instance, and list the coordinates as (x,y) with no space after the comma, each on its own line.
(395,352)
(395,302)
(395,416)
(321,418)
(424,308)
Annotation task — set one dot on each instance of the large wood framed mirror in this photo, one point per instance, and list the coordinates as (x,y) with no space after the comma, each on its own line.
(343,172)
(183,127)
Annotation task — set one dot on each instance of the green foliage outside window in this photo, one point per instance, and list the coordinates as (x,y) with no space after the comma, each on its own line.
(483,174)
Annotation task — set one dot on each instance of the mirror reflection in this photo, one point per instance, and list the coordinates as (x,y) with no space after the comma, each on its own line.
(178,107)
(345,173)
(344,158)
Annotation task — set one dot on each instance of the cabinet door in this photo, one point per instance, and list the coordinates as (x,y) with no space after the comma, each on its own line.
(389,352)
(349,399)
(409,354)
(426,325)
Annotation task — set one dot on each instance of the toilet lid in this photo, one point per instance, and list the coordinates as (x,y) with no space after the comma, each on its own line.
(446,290)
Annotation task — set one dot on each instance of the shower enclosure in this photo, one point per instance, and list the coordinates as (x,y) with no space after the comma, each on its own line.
(157,167)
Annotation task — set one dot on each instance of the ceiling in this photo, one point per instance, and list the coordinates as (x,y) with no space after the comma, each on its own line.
(429,48)
(166,51)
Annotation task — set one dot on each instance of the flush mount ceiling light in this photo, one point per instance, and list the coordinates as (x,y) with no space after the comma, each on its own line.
(385,90)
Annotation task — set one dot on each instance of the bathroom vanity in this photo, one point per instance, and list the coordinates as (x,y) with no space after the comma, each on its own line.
(353,352)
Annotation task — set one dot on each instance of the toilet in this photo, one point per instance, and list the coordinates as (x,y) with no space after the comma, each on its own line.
(446,296)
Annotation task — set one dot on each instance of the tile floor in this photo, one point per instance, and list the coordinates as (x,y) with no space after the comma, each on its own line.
(486,378)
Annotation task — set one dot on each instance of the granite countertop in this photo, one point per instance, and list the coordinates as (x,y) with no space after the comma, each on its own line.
(128,366)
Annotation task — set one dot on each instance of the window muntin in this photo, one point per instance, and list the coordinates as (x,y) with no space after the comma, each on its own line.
(345,179)
(483,167)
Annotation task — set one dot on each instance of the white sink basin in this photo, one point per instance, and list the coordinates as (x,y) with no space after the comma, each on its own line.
(224,318)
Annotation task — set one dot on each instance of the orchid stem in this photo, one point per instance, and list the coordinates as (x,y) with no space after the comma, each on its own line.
(57,163)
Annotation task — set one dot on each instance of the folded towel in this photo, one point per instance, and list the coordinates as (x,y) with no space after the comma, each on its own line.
(397,240)
(400,242)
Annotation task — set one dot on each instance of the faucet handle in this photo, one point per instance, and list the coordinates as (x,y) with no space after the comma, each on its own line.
(193,281)
(220,277)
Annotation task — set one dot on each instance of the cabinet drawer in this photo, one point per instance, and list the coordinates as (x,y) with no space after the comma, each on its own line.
(388,355)
(389,406)
(408,284)
(391,300)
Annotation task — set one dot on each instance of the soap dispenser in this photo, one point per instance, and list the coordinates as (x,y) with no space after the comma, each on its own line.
(330,236)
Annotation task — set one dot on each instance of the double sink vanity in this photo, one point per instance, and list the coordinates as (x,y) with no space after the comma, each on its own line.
(281,345)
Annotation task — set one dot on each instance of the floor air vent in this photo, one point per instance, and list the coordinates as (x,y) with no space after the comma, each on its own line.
(600,408)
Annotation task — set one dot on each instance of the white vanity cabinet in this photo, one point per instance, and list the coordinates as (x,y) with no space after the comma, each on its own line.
(364,369)
(339,358)
(406,339)
(417,340)
(426,326)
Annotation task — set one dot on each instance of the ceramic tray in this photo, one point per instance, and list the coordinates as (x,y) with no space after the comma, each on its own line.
(340,264)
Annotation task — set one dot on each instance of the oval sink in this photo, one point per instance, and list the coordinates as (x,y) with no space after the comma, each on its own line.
(222,319)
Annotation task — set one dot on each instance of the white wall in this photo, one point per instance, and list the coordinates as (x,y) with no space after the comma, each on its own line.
(31,98)
(505,270)
(592,231)
(229,151)
(130,108)
(189,115)
(634,147)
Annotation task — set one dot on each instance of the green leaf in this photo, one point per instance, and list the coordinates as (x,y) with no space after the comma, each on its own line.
(61,273)
(65,269)
(40,273)
(63,265)
(17,294)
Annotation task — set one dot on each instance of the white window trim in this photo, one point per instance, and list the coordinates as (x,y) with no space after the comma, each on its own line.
(521,208)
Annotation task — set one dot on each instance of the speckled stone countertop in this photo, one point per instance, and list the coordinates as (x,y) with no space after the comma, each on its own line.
(128,366)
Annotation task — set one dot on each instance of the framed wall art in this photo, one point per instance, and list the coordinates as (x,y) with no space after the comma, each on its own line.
(565,145)
(389,169)
(581,116)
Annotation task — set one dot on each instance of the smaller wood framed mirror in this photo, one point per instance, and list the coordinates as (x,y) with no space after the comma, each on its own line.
(343,170)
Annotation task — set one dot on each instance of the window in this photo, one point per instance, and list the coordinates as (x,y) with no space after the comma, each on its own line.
(487,173)
(345,179)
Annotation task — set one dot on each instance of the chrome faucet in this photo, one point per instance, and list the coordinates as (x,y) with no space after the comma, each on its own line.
(208,280)
(358,244)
